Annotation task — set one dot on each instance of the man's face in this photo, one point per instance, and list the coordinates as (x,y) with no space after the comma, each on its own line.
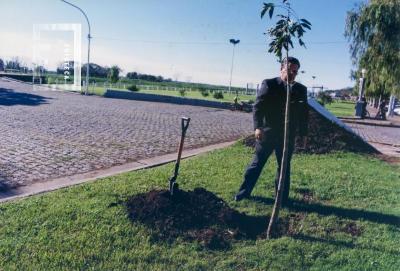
(293,70)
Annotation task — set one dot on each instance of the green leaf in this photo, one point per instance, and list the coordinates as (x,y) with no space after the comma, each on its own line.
(281,22)
(271,12)
(305,21)
(306,26)
(267,6)
(291,43)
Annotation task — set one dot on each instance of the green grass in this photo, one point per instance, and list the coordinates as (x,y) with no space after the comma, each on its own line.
(341,109)
(188,94)
(228,97)
(79,228)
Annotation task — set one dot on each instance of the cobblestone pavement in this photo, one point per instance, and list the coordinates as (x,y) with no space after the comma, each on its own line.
(48,134)
(383,135)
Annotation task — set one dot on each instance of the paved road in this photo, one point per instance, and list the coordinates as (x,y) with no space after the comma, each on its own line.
(47,134)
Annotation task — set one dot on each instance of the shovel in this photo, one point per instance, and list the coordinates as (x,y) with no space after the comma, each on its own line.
(173,186)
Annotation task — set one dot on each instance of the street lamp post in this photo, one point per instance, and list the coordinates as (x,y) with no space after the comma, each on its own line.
(89,37)
(360,102)
(234,42)
(313,86)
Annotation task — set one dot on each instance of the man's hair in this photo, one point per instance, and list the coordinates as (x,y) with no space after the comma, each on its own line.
(290,59)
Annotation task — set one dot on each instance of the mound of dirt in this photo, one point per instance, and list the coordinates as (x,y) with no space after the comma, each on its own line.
(198,215)
(325,136)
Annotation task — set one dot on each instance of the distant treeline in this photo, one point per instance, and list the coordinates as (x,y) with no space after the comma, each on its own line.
(101,74)
(99,71)
(147,77)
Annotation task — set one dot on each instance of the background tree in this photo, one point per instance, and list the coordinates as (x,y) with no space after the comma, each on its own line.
(373,30)
(14,64)
(132,75)
(324,98)
(1,65)
(113,74)
(146,77)
(285,28)
(95,70)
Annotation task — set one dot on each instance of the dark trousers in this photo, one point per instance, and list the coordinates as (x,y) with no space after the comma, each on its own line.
(263,151)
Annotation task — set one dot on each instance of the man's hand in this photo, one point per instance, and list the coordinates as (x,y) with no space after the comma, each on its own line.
(258,134)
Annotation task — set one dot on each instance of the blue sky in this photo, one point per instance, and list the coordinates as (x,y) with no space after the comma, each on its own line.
(188,40)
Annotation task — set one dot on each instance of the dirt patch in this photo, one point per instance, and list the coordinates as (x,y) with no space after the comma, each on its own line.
(307,195)
(350,228)
(200,215)
(288,226)
(325,136)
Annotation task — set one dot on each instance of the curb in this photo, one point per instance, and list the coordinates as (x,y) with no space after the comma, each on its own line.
(137,96)
(390,124)
(55,184)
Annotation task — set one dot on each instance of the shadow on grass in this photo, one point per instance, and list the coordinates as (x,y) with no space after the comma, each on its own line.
(313,239)
(350,244)
(354,214)
(9,97)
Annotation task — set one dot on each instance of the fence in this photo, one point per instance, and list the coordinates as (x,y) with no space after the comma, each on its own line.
(247,91)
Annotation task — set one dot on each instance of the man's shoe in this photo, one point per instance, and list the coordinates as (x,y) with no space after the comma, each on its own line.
(241,195)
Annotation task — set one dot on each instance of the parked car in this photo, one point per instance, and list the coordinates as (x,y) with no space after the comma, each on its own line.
(397,110)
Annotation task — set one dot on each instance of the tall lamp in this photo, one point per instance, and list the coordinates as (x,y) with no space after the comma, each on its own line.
(234,42)
(89,37)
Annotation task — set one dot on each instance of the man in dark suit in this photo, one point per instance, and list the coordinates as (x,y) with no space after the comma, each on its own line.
(269,123)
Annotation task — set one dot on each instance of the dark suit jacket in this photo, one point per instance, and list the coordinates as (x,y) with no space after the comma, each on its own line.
(269,108)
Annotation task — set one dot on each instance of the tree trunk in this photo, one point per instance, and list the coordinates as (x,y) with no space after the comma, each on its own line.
(284,162)
(390,112)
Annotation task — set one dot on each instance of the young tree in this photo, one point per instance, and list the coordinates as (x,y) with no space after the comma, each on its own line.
(282,33)
(373,30)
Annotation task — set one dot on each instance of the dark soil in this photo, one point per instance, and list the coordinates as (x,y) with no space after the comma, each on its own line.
(350,228)
(200,215)
(325,136)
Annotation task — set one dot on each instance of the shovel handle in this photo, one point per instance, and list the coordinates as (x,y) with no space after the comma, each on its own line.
(185,124)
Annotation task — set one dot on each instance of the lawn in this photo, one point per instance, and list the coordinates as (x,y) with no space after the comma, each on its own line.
(86,227)
(341,109)
(228,97)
